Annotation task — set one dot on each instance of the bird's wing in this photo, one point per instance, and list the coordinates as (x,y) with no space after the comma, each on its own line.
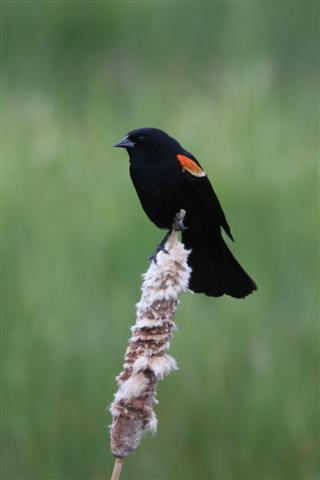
(200,184)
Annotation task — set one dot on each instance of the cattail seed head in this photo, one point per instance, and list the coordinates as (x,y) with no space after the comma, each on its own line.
(146,360)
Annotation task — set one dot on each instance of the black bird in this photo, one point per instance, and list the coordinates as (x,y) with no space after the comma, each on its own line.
(167,178)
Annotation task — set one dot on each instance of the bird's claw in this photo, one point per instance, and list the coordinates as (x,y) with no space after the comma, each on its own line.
(153,257)
(178,224)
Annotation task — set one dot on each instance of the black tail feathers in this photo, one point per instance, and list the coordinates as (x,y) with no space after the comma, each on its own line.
(216,272)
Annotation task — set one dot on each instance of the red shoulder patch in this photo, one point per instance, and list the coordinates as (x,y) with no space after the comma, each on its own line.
(190,166)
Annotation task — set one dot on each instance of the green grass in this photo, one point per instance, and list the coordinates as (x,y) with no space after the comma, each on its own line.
(236,83)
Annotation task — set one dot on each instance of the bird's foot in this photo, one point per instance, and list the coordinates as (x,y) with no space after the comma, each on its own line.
(153,257)
(160,248)
(178,224)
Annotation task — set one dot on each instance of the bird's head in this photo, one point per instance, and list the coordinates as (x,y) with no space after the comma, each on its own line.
(142,143)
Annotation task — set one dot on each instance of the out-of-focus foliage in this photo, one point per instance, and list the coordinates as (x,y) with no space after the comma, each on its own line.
(237,84)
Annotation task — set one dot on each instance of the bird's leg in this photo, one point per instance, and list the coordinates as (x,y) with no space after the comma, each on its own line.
(160,248)
(178,224)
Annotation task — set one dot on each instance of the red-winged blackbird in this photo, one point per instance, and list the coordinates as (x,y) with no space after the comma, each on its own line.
(167,178)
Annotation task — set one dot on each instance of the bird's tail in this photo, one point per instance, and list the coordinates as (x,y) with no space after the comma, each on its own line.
(216,272)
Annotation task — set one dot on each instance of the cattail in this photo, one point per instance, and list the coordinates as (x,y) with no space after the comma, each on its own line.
(146,360)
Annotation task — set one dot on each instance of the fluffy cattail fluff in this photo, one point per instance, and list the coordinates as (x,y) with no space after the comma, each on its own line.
(146,360)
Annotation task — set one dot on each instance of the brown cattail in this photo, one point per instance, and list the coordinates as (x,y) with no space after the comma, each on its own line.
(146,360)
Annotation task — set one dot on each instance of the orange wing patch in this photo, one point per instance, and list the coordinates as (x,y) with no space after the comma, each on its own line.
(190,166)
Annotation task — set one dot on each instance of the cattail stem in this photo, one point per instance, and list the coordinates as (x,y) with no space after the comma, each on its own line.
(117,469)
(146,360)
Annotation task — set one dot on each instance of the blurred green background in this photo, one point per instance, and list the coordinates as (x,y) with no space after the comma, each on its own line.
(237,83)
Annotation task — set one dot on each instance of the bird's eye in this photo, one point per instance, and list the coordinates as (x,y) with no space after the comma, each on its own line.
(141,137)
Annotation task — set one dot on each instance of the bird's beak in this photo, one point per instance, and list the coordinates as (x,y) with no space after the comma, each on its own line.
(124,143)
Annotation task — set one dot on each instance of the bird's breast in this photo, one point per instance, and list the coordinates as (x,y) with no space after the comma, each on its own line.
(156,187)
